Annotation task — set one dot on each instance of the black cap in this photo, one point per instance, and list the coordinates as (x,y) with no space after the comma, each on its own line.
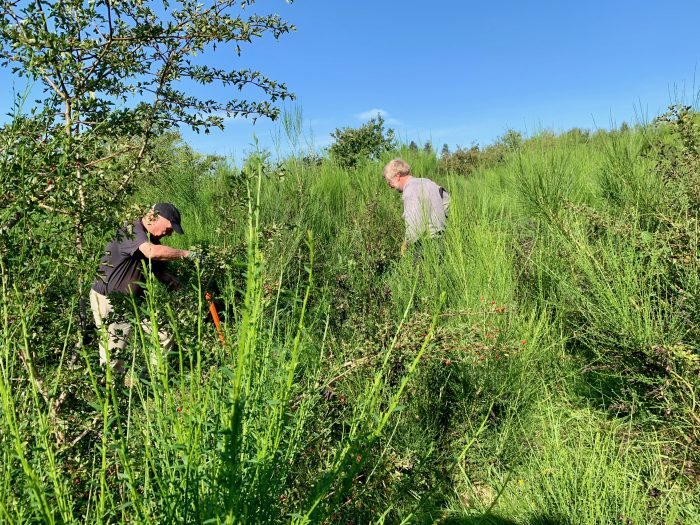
(170,212)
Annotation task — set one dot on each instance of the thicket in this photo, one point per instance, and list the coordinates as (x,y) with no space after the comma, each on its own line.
(541,366)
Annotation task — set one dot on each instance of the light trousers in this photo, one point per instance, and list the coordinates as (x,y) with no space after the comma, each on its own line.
(118,333)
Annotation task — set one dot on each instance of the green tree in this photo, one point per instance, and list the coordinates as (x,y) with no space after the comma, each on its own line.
(512,140)
(366,142)
(113,75)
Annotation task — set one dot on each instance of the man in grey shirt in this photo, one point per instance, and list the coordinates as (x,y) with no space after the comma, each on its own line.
(425,204)
(120,272)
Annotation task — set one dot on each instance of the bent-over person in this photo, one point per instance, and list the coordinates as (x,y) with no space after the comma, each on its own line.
(121,272)
(425,204)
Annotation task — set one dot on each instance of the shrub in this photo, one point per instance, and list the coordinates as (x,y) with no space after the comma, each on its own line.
(368,141)
(462,161)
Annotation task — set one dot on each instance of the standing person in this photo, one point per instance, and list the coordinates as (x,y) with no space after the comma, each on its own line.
(120,272)
(425,204)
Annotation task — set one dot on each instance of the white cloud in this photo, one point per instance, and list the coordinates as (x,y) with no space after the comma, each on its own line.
(372,113)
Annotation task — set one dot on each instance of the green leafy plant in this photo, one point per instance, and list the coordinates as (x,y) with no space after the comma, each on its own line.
(367,142)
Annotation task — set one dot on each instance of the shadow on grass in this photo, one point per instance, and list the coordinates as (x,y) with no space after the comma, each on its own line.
(493,519)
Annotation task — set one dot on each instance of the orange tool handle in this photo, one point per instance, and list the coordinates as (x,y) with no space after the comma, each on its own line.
(215,316)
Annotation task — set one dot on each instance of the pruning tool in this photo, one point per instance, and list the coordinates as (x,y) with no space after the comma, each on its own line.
(215,316)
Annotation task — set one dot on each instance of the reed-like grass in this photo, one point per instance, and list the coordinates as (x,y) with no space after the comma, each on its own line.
(502,377)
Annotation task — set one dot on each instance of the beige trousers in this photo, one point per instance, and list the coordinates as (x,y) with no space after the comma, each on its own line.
(118,333)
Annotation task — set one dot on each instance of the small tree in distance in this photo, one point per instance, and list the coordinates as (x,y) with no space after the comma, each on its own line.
(368,141)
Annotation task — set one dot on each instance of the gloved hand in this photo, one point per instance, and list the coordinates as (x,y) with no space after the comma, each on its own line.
(404,247)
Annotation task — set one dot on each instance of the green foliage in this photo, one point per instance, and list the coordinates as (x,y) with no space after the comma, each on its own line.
(512,140)
(622,274)
(368,142)
(131,51)
(677,154)
(462,161)
(465,161)
(113,76)
(538,364)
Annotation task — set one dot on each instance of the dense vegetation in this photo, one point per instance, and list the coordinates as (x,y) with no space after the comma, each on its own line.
(540,366)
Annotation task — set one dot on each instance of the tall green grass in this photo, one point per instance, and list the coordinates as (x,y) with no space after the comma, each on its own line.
(506,376)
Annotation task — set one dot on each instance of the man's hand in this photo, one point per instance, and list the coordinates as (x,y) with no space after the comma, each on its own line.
(196,257)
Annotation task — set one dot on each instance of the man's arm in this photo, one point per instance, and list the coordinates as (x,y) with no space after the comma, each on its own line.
(160,252)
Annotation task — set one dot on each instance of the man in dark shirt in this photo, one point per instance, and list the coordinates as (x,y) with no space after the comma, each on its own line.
(120,272)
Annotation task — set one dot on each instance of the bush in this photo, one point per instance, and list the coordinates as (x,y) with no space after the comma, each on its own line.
(464,161)
(366,142)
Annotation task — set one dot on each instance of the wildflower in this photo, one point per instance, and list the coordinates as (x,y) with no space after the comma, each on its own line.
(481,299)
(447,362)
(523,342)
(179,409)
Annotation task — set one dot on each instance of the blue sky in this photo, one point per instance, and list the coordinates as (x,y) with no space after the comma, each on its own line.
(461,72)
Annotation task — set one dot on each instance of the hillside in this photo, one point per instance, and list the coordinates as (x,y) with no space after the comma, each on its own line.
(538,365)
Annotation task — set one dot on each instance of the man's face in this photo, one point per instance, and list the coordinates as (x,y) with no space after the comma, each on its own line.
(394,182)
(159,227)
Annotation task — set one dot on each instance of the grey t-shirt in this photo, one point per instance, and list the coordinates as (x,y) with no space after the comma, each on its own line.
(425,206)
(120,266)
